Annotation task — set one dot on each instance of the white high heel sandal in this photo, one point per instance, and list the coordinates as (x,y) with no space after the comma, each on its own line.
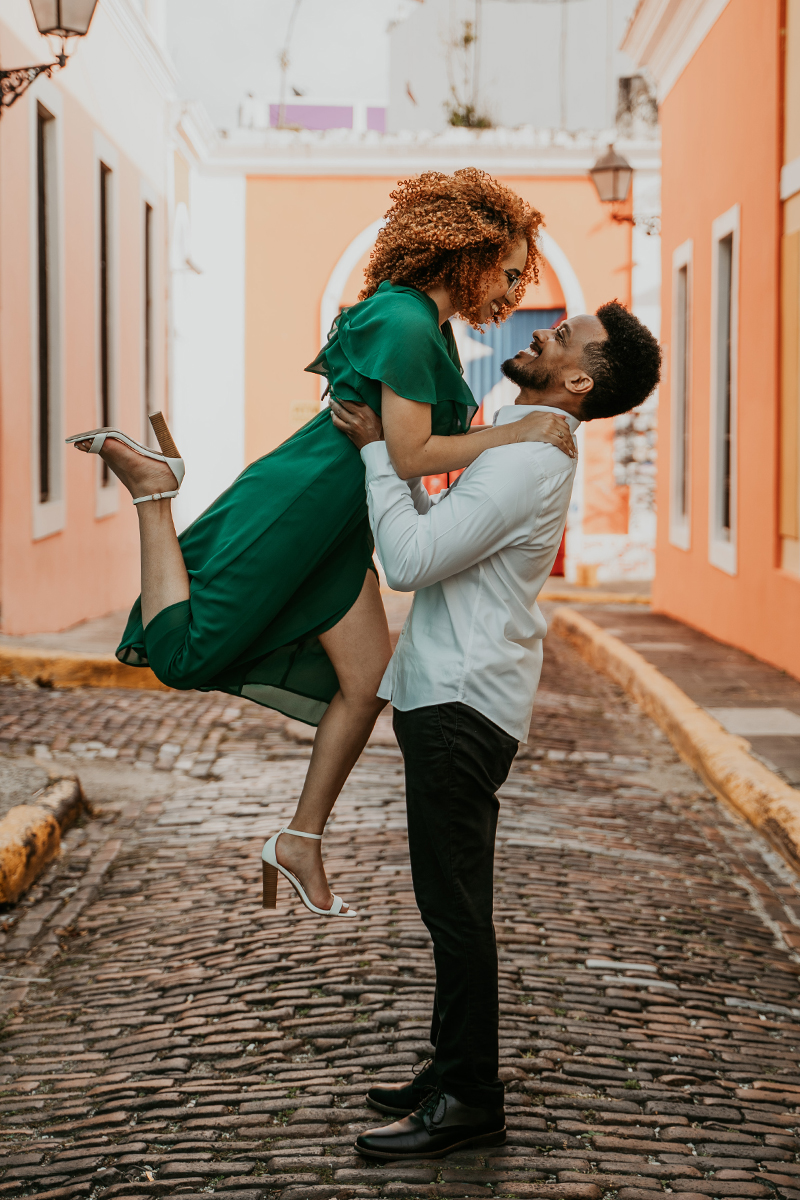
(270,868)
(169,453)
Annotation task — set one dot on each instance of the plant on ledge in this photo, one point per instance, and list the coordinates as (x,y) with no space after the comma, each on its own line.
(463,63)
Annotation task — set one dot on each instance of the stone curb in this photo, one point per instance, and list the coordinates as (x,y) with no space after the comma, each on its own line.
(720,759)
(554,596)
(62,670)
(30,834)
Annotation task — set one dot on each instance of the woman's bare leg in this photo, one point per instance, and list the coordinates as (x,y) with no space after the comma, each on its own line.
(164,578)
(360,649)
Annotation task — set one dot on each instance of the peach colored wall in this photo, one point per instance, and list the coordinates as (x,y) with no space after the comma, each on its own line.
(90,567)
(721,146)
(297,229)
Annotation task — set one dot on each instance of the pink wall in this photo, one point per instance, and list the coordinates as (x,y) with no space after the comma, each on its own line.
(721,147)
(89,567)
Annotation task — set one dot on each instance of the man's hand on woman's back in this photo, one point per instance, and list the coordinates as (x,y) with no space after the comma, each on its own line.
(356,421)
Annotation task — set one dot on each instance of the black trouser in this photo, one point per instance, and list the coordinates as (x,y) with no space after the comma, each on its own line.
(455,760)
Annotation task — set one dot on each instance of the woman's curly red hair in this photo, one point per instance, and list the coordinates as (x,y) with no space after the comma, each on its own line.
(453,231)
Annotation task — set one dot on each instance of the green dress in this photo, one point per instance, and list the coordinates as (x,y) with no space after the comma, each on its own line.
(281,556)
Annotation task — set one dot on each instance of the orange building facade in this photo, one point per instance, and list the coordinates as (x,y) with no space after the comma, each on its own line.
(728,543)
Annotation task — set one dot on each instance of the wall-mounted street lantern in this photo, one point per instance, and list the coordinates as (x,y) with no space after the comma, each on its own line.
(63,19)
(612,176)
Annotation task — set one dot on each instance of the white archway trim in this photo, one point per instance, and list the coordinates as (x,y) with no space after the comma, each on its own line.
(565,272)
(331,297)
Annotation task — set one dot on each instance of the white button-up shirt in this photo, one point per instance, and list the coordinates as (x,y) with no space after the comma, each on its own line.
(477,556)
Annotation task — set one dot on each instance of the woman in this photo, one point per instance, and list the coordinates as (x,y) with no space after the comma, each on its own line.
(271,593)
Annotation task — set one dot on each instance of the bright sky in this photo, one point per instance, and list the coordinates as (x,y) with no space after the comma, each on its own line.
(339,49)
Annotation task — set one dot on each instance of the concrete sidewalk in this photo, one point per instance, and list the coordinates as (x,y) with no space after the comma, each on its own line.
(748,697)
(99,636)
(102,635)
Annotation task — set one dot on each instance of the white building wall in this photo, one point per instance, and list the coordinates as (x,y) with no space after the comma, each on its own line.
(619,556)
(120,75)
(227,49)
(208,324)
(515,63)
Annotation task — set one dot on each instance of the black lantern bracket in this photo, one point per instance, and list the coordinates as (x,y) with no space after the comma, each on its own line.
(650,225)
(17,81)
(54,18)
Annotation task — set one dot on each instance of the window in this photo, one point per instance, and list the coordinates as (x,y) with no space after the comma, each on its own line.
(724,335)
(680,463)
(46,343)
(147,318)
(45,248)
(107,309)
(723,389)
(789,526)
(105,305)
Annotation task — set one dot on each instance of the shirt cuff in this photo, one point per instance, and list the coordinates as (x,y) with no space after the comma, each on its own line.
(376,459)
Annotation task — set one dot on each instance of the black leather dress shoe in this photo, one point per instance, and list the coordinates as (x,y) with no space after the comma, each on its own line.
(399,1099)
(439,1126)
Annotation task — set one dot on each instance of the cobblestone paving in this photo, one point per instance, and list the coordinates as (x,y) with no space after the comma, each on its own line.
(181,1041)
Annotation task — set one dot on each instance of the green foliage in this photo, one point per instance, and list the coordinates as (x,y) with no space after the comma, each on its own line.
(464,115)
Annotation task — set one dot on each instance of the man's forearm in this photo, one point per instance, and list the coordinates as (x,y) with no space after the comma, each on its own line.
(418,549)
(441,454)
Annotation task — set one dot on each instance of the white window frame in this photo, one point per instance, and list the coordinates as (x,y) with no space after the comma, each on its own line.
(107,494)
(722,544)
(48,516)
(681,406)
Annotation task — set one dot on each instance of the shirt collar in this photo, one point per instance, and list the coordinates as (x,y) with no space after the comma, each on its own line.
(514,412)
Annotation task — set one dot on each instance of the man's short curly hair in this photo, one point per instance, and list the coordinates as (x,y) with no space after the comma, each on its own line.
(452,231)
(626,367)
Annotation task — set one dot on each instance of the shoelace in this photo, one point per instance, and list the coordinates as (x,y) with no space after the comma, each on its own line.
(430,1104)
(419,1067)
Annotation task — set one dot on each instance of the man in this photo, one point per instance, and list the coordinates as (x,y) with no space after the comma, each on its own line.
(462,682)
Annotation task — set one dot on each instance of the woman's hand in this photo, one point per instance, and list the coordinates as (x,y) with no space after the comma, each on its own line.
(547,427)
(357,421)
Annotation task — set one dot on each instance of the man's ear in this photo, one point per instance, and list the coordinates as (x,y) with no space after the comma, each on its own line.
(578,383)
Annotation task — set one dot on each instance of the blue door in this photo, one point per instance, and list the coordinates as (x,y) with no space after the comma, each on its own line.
(503,341)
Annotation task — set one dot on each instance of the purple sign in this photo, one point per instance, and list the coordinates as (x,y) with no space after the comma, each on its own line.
(376,119)
(314,116)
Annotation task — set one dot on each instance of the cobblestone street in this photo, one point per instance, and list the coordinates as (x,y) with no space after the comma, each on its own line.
(165,1036)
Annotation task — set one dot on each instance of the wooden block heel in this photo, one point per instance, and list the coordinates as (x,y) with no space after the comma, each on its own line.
(272,868)
(269,878)
(163,435)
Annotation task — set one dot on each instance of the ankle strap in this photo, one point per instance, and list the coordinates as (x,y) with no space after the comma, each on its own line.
(158,496)
(299,833)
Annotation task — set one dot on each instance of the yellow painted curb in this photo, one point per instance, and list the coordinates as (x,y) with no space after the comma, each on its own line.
(29,840)
(30,834)
(719,758)
(592,597)
(62,670)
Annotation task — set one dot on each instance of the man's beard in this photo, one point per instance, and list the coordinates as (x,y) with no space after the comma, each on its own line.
(533,375)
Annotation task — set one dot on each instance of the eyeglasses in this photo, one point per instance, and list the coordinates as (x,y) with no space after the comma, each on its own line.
(513,281)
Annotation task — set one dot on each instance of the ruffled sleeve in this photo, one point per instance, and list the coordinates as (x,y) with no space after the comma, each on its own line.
(393,338)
